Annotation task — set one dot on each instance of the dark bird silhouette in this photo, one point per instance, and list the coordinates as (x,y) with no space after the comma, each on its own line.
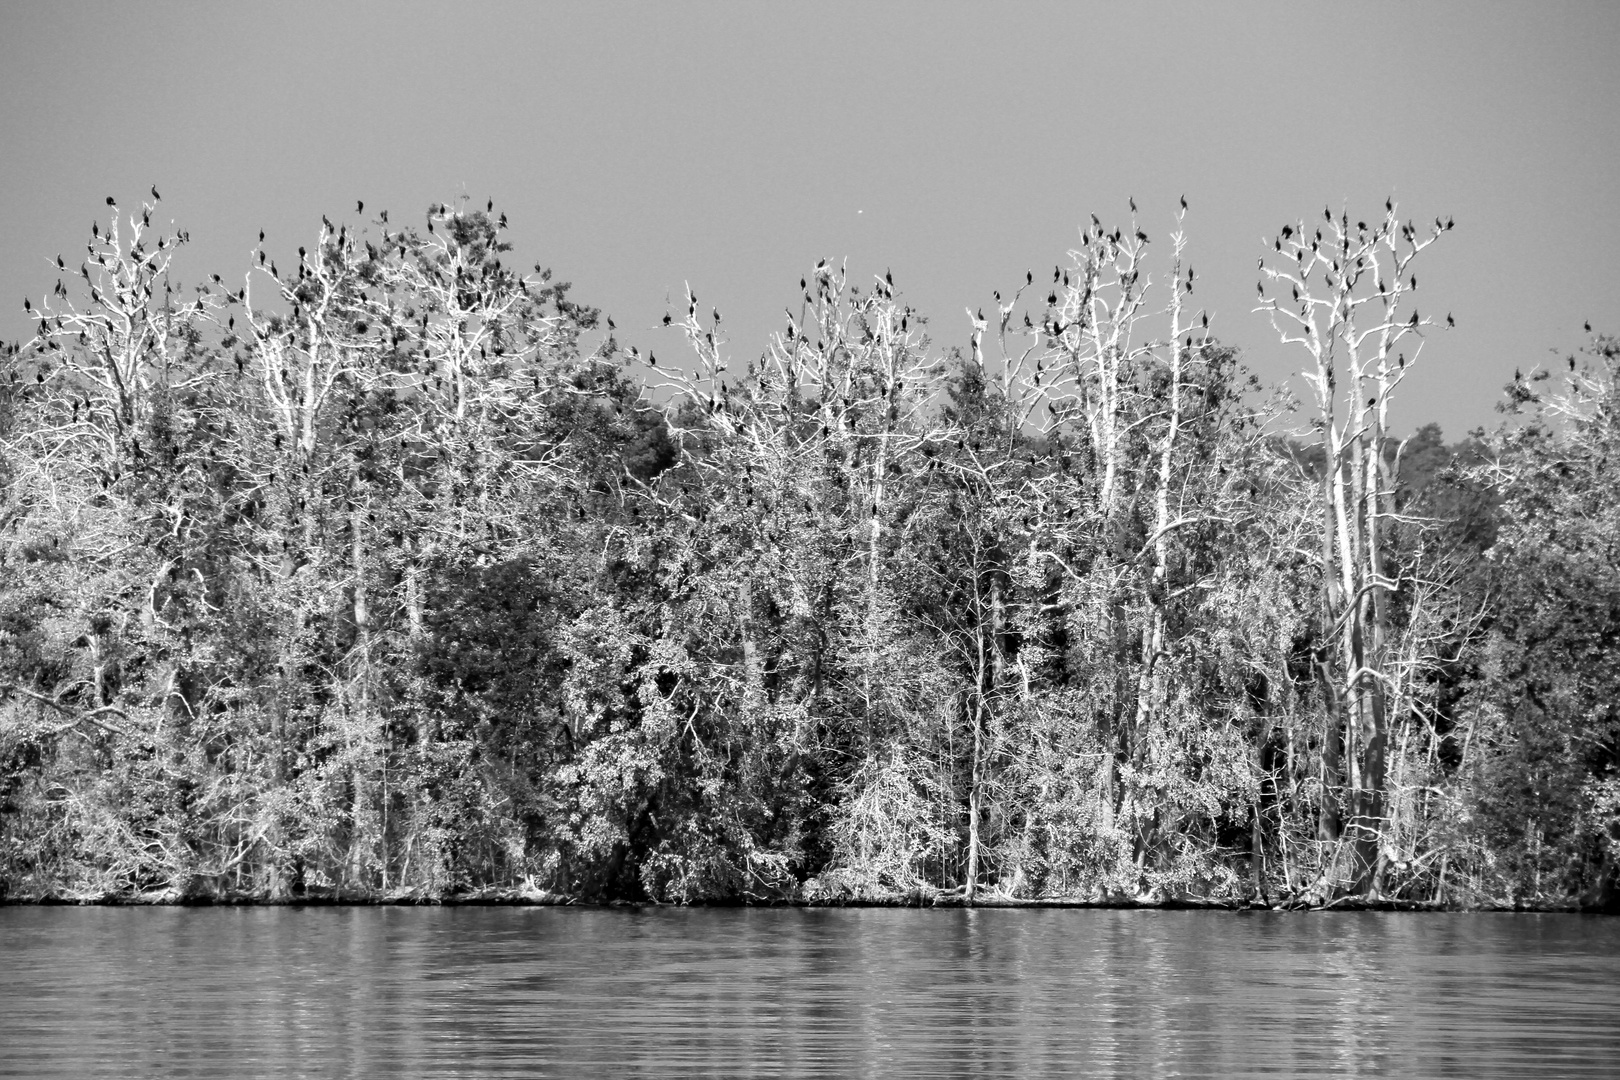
(155,195)
(1588,328)
(1141,236)
(1184,202)
(489,206)
(1572,363)
(1133,205)
(1389,206)
(1449,320)
(110,201)
(261,236)
(668,318)
(300,252)
(27,306)
(60,265)
(359,206)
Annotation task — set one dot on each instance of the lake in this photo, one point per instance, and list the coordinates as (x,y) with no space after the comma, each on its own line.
(661,992)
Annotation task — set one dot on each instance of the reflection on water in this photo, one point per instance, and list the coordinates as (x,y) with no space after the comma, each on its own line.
(441,992)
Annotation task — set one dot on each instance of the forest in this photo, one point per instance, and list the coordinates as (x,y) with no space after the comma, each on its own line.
(397,577)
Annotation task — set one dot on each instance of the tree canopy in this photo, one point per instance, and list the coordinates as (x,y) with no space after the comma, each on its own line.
(369,579)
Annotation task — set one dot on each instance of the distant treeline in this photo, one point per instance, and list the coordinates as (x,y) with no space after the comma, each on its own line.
(366,579)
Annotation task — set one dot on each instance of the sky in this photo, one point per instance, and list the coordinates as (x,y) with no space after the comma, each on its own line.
(637,147)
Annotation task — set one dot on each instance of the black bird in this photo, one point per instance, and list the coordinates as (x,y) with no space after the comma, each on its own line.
(668,318)
(1588,328)
(1133,205)
(1029,277)
(110,201)
(1184,202)
(1449,320)
(1142,236)
(26,305)
(300,252)
(1389,206)
(60,265)
(155,195)
(489,206)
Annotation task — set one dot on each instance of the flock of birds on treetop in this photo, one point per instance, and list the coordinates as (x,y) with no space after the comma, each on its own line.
(1291,235)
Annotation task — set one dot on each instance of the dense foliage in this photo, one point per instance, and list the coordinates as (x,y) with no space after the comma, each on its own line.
(369,580)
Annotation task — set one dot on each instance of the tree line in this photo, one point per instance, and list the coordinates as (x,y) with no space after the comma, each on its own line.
(373,579)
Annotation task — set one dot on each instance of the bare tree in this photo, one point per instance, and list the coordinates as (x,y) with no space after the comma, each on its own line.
(1343,291)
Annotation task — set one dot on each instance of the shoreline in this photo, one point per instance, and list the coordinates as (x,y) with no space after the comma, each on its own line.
(515,898)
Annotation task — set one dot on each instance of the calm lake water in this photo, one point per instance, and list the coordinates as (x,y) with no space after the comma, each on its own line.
(448,992)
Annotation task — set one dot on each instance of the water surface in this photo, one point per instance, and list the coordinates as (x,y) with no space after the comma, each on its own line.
(464,992)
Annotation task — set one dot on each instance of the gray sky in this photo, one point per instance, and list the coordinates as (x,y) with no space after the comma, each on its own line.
(733,145)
